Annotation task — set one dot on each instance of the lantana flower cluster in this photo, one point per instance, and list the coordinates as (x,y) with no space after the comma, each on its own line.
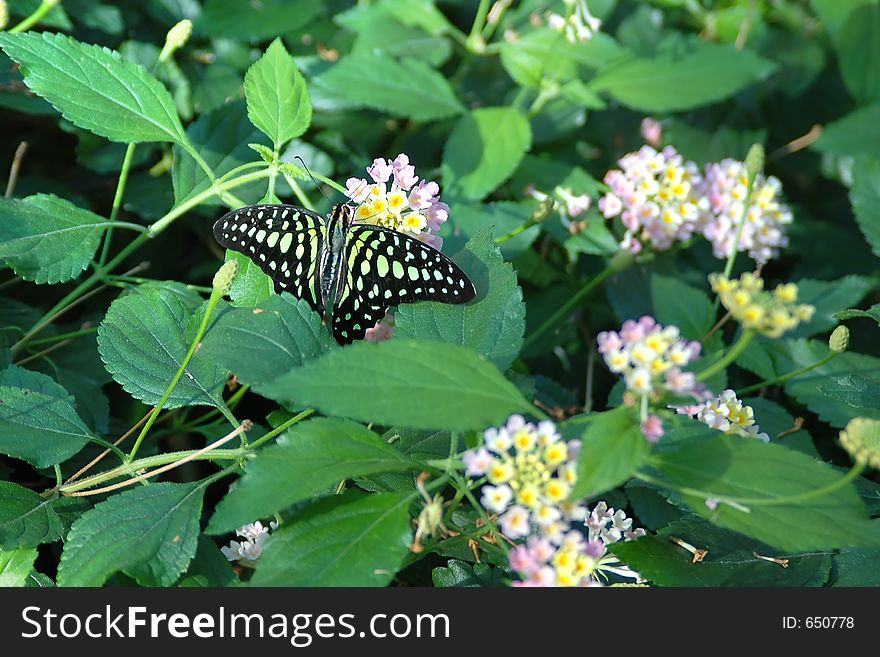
(247,551)
(650,356)
(531,471)
(399,200)
(729,415)
(579,25)
(768,313)
(725,187)
(662,199)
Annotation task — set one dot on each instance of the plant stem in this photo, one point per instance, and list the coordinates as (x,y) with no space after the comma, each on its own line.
(462,485)
(728,268)
(281,428)
(65,336)
(301,196)
(786,377)
(117,200)
(567,307)
(14,168)
(731,355)
(475,41)
(194,154)
(38,15)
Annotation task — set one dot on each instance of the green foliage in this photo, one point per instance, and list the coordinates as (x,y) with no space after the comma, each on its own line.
(26,519)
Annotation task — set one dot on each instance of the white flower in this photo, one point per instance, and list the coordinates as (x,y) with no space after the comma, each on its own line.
(496,498)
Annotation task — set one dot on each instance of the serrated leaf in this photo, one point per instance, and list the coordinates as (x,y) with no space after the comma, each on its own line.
(143,340)
(149,532)
(828,297)
(15,566)
(730,559)
(26,519)
(857,567)
(260,21)
(222,139)
(312,457)
(858,52)
(260,344)
(683,76)
(492,325)
(748,469)
(483,150)
(343,540)
(277,98)
(860,393)
(38,422)
(46,239)
(420,385)
(612,450)
(678,304)
(851,313)
(865,199)
(408,88)
(854,134)
(95,88)
(462,574)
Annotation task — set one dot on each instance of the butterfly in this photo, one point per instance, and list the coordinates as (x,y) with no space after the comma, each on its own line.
(349,273)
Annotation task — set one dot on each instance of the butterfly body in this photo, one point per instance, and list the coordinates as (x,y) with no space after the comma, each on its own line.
(348,273)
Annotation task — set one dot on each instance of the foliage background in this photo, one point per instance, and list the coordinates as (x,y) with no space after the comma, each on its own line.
(489,110)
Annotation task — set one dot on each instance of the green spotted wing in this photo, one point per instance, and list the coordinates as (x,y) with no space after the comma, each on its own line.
(385,269)
(284,241)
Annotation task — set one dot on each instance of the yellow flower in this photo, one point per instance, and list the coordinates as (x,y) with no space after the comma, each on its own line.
(396,202)
(556,490)
(500,472)
(556,453)
(414,222)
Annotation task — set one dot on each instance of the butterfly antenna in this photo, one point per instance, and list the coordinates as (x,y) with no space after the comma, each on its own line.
(317,185)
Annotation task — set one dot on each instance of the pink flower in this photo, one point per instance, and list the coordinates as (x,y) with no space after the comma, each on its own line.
(357,189)
(381,170)
(651,130)
(383,330)
(652,429)
(477,462)
(422,196)
(404,173)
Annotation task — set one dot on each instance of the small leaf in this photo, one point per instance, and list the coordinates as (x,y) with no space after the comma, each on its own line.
(38,422)
(493,325)
(15,566)
(462,574)
(46,239)
(484,149)
(414,384)
(343,540)
(95,88)
(143,340)
(260,344)
(251,285)
(149,532)
(26,519)
(312,457)
(612,450)
(277,98)
(408,88)
(678,304)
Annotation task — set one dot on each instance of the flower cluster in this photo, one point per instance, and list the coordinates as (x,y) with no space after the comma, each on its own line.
(861,438)
(768,313)
(531,471)
(247,551)
(724,186)
(580,25)
(650,356)
(397,199)
(728,414)
(653,192)
(578,560)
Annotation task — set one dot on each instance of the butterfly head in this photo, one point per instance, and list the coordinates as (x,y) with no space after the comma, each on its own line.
(342,214)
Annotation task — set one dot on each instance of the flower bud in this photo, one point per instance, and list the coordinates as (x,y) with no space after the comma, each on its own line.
(176,38)
(4,14)
(755,160)
(839,339)
(861,438)
(223,278)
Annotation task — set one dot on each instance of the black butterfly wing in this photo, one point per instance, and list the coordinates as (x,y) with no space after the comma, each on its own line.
(387,268)
(284,241)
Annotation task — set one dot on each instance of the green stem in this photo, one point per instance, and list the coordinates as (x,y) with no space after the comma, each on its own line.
(569,305)
(38,15)
(194,154)
(728,268)
(117,200)
(732,354)
(301,196)
(475,41)
(461,484)
(161,224)
(281,428)
(786,377)
(64,336)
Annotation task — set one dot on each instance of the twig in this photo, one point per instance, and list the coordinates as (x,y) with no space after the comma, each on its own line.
(14,169)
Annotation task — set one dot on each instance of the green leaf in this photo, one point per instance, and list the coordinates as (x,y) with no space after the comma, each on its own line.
(408,88)
(730,560)
(462,574)
(612,450)
(851,313)
(413,384)
(865,199)
(857,567)
(149,533)
(860,393)
(15,566)
(312,457)
(277,98)
(260,344)
(38,422)
(221,138)
(833,13)
(493,325)
(46,239)
(682,77)
(251,286)
(343,540)
(95,88)
(858,52)
(484,149)
(730,466)
(208,567)
(143,340)
(677,303)
(255,21)
(502,217)
(26,519)
(829,297)
(854,134)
